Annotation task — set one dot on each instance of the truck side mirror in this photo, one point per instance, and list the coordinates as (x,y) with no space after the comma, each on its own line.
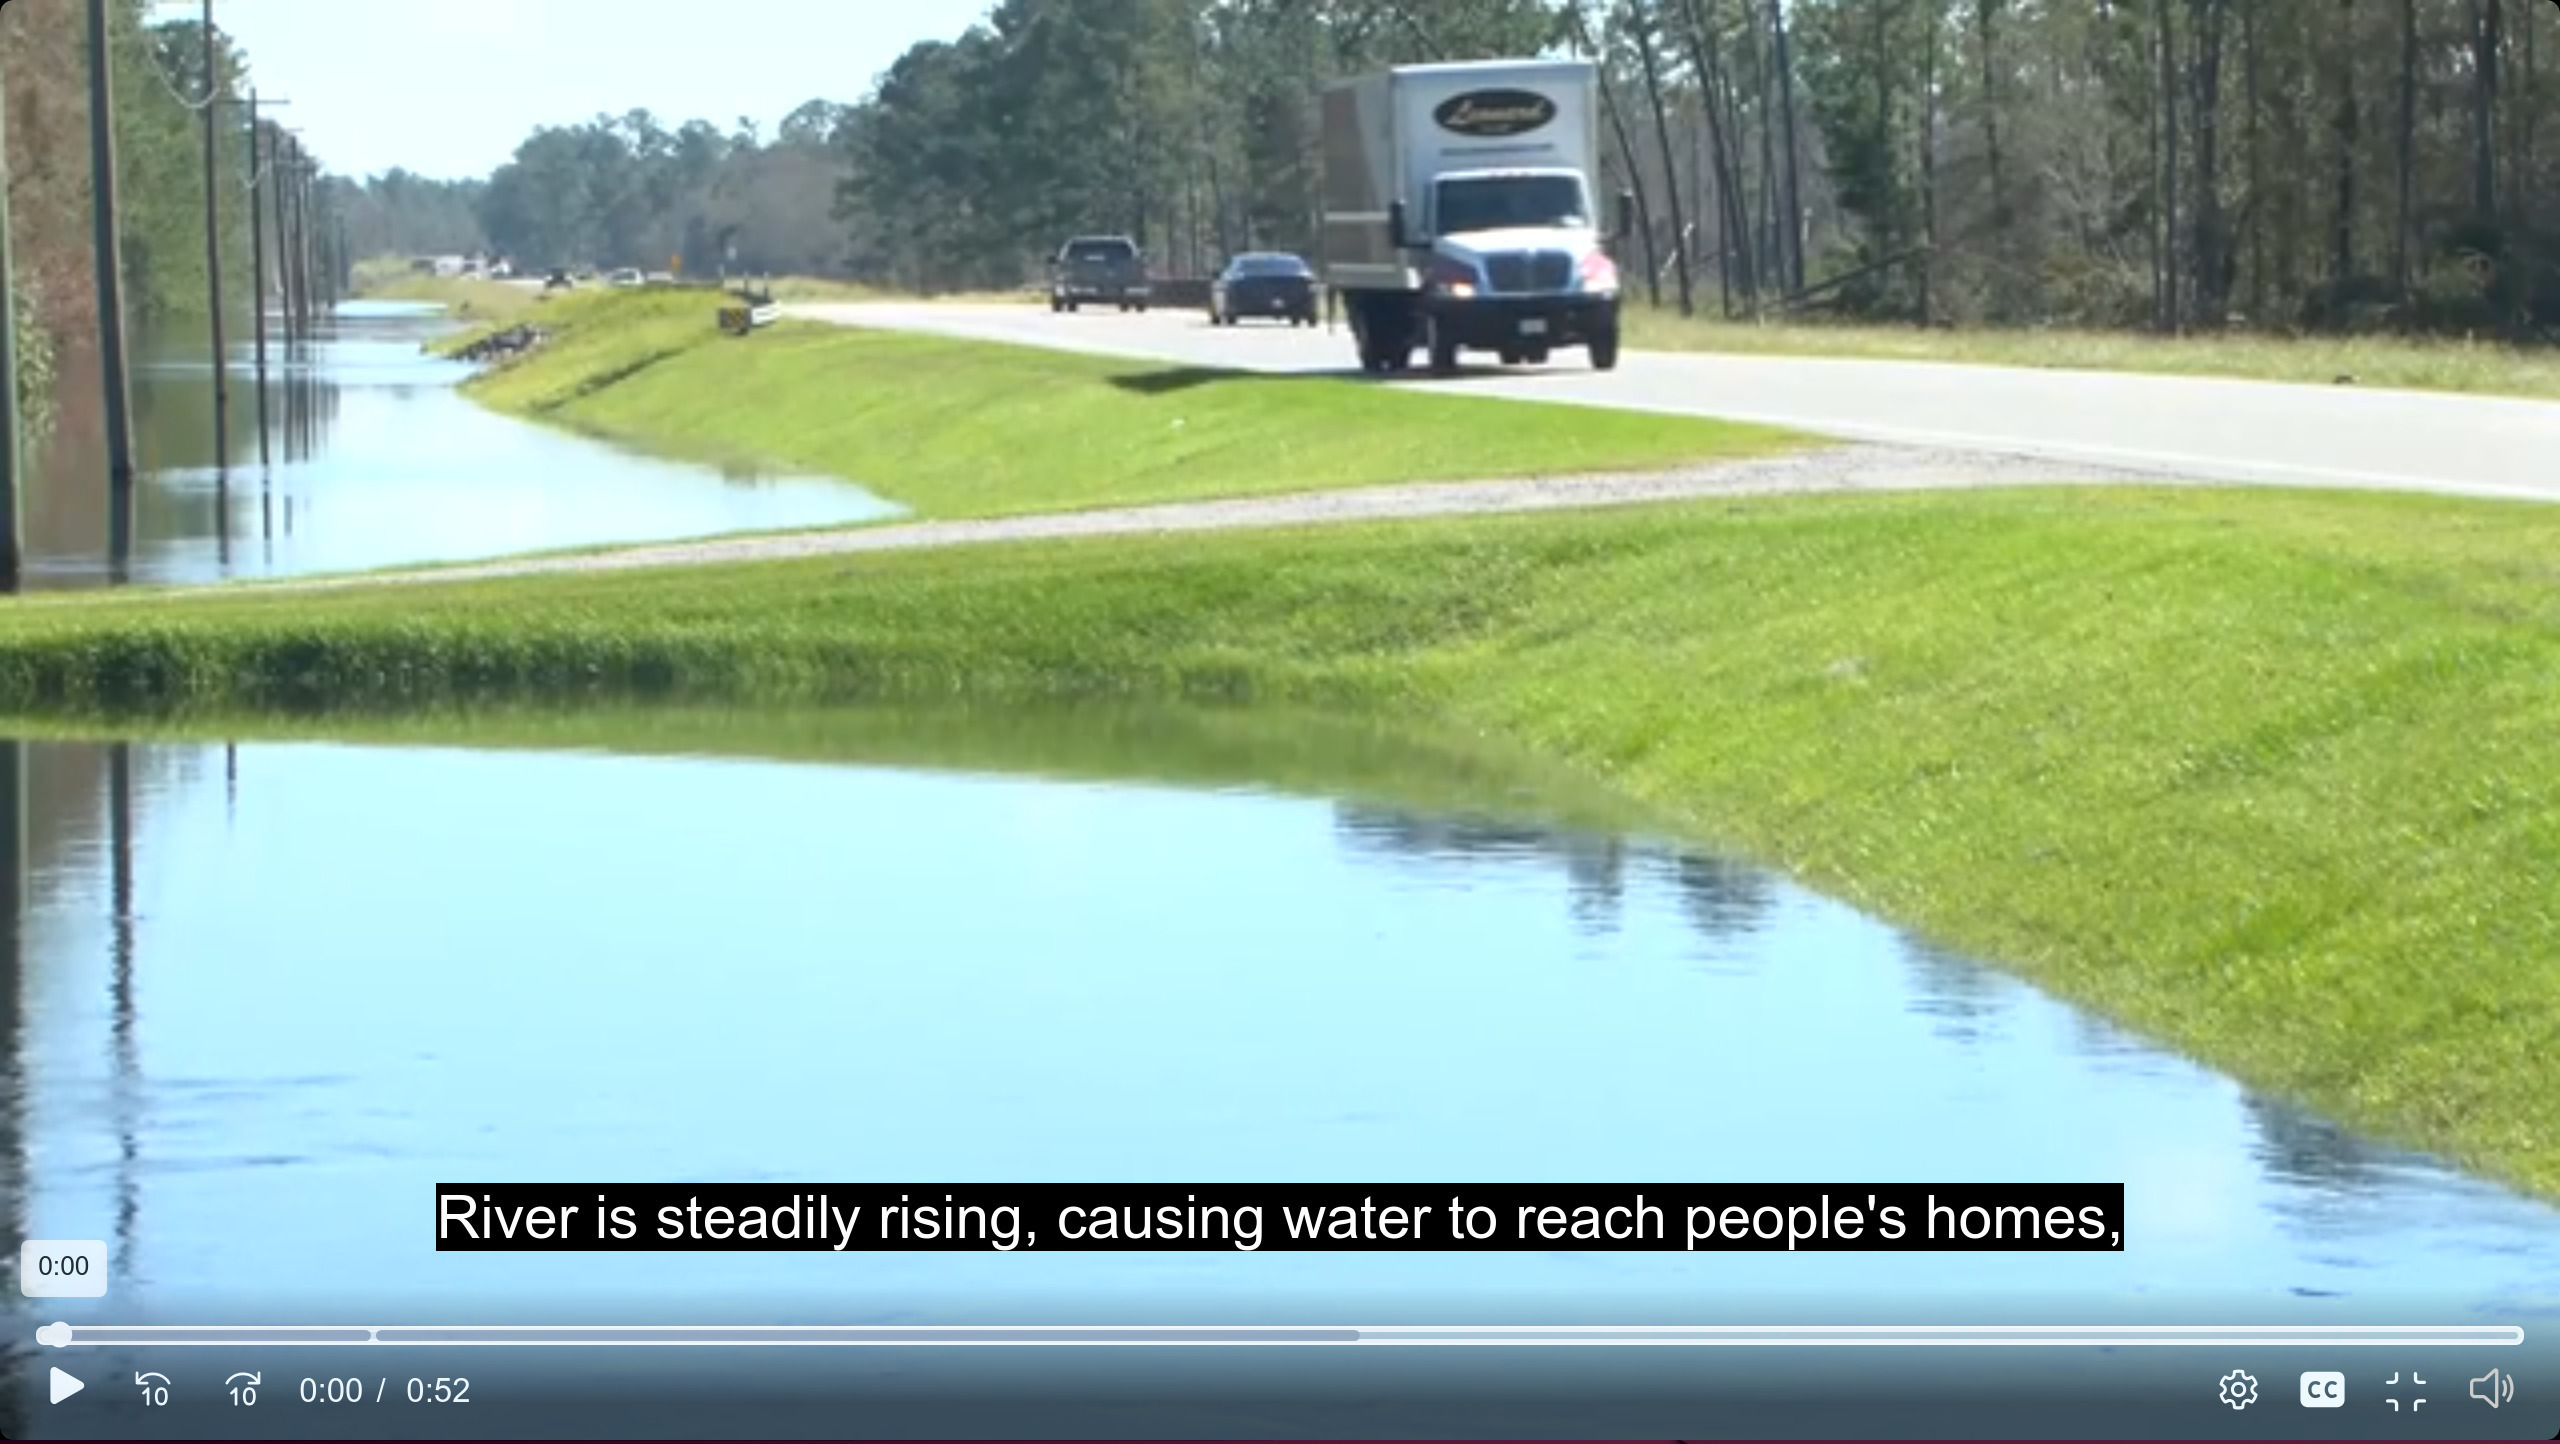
(1626,216)
(1396,231)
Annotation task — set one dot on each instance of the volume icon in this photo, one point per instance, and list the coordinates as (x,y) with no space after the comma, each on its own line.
(2494,1388)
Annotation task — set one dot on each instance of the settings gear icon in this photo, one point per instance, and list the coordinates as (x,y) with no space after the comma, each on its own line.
(2239,1390)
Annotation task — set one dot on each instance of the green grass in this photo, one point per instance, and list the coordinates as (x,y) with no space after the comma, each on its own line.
(2413,363)
(2264,775)
(968,429)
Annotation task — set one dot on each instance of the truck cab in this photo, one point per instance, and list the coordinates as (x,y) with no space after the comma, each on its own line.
(1518,266)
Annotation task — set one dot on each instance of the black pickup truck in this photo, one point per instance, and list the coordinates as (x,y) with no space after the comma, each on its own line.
(1106,270)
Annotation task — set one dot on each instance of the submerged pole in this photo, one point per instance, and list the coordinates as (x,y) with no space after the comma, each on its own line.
(213,245)
(107,244)
(258,268)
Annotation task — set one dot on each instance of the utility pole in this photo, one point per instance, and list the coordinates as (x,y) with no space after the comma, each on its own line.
(288,189)
(301,246)
(258,267)
(315,250)
(307,218)
(279,170)
(110,260)
(11,523)
(213,245)
(327,224)
(283,183)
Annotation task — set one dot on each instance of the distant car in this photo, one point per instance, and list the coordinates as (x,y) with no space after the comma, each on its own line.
(1264,283)
(558,280)
(1106,270)
(625,277)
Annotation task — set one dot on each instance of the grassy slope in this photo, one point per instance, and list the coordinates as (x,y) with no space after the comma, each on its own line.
(2265,775)
(959,428)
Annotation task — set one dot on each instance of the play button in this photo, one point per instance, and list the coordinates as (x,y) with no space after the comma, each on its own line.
(64,1386)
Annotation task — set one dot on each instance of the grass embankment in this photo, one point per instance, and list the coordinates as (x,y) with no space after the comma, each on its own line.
(2485,367)
(2265,775)
(967,429)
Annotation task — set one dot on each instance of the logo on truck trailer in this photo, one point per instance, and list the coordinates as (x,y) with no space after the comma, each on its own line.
(1494,112)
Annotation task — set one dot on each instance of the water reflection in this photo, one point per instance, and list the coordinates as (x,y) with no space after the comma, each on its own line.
(332,974)
(371,458)
(13,912)
(128,1058)
(1964,1000)
(1725,901)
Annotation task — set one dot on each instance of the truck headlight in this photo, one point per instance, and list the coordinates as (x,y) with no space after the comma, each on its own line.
(1451,278)
(1599,274)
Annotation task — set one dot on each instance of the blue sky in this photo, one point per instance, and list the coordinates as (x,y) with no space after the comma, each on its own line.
(449,89)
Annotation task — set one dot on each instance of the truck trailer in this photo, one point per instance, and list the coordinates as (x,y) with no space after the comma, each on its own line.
(1461,213)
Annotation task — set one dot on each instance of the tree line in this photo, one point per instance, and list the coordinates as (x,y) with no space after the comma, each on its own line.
(2164,164)
(2146,164)
(160,90)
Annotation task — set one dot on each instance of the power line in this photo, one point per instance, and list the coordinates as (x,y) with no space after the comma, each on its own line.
(161,73)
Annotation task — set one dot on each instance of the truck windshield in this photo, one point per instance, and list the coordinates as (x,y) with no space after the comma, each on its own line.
(1492,203)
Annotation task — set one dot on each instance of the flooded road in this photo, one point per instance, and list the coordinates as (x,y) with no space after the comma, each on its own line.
(269,996)
(374,459)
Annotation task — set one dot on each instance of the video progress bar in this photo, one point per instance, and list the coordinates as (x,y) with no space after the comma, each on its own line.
(2113,1336)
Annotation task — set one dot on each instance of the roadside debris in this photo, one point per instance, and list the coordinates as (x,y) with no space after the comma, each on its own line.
(513,341)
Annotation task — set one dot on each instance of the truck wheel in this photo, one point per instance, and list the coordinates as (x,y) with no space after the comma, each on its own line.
(1443,349)
(1056,305)
(1072,305)
(1604,351)
(1510,358)
(1142,308)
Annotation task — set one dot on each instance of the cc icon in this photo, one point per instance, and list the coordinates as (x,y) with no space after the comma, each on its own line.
(2324,1391)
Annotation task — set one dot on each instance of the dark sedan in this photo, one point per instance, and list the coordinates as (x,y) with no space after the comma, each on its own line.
(1264,283)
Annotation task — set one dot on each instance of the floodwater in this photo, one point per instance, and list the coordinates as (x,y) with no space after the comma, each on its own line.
(269,995)
(372,458)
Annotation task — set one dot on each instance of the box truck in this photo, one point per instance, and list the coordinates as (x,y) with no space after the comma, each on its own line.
(1461,213)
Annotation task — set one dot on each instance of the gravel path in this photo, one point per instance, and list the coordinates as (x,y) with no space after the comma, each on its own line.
(1867,468)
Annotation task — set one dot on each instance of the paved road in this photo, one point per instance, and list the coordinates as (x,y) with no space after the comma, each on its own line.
(2200,428)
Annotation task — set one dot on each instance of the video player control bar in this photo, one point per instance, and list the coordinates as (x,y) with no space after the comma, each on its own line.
(2118,1336)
